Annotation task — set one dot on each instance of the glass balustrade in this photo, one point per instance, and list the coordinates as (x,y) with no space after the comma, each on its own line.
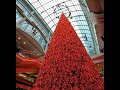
(29,29)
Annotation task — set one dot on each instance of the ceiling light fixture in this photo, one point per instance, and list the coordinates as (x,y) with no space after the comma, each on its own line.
(24,42)
(18,37)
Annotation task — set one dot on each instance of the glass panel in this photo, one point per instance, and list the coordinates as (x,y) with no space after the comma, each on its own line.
(44,14)
(29,29)
(40,9)
(32,1)
(48,19)
(18,16)
(52,9)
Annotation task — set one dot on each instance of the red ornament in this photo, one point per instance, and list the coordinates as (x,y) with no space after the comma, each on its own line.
(67,65)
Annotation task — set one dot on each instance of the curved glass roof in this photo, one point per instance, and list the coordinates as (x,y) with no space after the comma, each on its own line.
(50,10)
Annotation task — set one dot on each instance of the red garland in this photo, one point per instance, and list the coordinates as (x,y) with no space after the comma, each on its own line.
(66,65)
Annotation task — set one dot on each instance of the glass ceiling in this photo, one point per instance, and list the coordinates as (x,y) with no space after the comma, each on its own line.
(50,10)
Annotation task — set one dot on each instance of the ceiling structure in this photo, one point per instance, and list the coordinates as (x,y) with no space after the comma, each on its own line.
(50,11)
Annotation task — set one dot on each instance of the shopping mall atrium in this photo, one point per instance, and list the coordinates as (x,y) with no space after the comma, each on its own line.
(36,21)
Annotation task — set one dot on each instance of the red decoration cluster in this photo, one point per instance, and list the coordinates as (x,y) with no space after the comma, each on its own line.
(66,65)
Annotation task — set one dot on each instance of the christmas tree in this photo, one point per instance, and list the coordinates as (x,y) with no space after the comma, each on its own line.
(67,65)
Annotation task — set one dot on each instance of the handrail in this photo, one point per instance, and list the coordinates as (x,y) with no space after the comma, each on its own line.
(98,56)
(29,59)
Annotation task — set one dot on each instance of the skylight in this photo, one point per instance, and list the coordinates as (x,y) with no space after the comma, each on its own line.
(50,10)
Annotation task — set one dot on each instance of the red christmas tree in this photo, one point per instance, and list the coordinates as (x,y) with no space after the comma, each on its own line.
(67,65)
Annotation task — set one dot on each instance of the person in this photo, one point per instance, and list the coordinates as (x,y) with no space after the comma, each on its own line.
(17,49)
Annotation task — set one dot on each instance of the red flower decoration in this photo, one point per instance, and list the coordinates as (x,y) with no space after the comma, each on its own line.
(67,65)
